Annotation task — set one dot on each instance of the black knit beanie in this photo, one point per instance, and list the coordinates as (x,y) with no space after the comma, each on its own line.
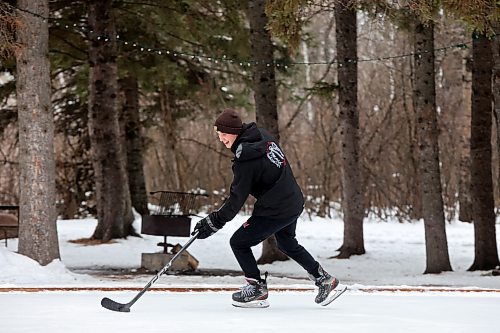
(229,121)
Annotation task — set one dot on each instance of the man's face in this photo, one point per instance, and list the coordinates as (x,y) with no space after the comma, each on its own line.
(227,139)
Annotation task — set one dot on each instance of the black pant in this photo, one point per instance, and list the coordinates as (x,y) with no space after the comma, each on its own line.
(256,230)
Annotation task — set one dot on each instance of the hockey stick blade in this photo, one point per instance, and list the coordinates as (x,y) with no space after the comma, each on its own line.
(119,307)
(114,306)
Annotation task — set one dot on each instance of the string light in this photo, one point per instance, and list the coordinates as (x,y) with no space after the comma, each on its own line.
(284,64)
(248,63)
(243,63)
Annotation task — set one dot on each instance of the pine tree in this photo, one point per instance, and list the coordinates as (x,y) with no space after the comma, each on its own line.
(114,213)
(37,213)
(347,68)
(482,17)
(424,101)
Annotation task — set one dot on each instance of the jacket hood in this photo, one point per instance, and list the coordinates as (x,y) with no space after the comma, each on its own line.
(249,144)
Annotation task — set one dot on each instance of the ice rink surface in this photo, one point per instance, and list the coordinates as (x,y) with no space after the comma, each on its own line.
(355,311)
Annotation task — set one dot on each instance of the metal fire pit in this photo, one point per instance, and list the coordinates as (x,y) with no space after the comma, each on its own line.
(171,216)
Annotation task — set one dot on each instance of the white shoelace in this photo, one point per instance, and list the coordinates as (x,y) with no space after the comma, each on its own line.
(248,290)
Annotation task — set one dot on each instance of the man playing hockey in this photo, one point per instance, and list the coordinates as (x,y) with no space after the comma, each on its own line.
(261,169)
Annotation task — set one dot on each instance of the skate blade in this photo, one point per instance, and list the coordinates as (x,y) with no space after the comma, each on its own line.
(253,304)
(339,290)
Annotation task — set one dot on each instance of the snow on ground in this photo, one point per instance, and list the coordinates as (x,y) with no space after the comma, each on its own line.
(395,255)
(395,259)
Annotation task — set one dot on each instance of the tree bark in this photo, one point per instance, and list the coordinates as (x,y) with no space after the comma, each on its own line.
(464,116)
(352,197)
(170,134)
(114,213)
(424,101)
(135,146)
(483,208)
(37,230)
(496,99)
(264,80)
(264,84)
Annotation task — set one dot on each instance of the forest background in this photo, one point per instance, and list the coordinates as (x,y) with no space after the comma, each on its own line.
(384,107)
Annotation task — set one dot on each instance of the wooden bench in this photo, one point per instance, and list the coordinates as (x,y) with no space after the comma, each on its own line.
(9,224)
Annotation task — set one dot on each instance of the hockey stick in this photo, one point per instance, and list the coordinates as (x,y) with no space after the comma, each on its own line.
(115,306)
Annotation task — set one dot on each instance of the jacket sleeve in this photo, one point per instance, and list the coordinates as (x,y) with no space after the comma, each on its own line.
(238,194)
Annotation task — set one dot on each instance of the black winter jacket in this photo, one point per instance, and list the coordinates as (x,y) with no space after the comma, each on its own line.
(260,169)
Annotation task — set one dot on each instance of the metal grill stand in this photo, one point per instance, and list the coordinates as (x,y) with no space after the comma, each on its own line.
(171,217)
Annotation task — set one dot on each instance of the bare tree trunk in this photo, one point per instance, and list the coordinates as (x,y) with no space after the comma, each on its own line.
(37,230)
(264,83)
(424,100)
(414,201)
(496,98)
(114,213)
(169,126)
(483,209)
(305,54)
(464,195)
(135,146)
(352,200)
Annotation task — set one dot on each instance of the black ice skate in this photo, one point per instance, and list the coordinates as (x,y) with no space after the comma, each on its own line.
(252,295)
(329,287)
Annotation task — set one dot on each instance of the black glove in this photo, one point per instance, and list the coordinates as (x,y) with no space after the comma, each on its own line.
(206,227)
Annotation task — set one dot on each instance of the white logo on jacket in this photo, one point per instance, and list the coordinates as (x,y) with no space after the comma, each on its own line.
(239,150)
(275,155)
